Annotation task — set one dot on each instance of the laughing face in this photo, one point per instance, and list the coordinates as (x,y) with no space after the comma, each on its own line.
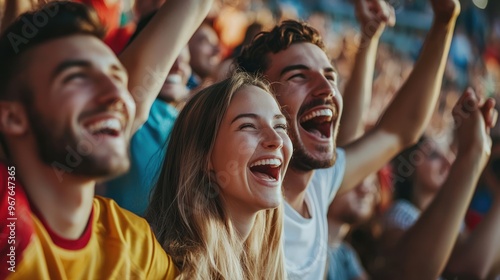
(80,106)
(174,89)
(251,151)
(306,87)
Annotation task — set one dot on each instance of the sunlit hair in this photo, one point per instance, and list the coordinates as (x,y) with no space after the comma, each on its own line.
(253,58)
(186,210)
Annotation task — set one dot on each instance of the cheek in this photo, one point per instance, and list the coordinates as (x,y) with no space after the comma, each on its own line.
(244,148)
(287,146)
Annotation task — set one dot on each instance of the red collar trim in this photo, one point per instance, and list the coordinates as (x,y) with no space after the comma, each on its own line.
(65,243)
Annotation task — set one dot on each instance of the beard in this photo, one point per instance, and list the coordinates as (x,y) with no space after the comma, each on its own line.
(304,161)
(64,150)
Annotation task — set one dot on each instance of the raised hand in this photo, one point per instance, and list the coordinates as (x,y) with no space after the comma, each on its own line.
(473,121)
(373,16)
(445,10)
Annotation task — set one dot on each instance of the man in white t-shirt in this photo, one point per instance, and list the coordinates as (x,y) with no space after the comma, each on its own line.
(292,57)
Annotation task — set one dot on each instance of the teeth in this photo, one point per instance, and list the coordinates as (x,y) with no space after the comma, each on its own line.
(174,79)
(318,113)
(112,124)
(272,162)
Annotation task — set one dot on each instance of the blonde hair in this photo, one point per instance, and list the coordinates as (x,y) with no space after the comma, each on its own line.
(186,210)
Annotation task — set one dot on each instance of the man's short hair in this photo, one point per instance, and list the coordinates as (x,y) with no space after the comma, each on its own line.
(52,21)
(253,58)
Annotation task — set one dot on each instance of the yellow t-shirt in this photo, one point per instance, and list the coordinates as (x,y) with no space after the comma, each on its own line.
(119,245)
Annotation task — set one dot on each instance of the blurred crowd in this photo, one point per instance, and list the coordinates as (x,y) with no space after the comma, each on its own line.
(474,60)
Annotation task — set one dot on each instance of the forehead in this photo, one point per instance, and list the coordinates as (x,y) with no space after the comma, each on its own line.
(306,54)
(205,32)
(50,54)
(252,99)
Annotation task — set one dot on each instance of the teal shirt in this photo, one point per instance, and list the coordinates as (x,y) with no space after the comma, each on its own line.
(147,151)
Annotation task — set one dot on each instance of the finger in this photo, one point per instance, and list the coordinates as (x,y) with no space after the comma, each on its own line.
(466,105)
(392,16)
(383,12)
(458,105)
(494,118)
(471,101)
(488,110)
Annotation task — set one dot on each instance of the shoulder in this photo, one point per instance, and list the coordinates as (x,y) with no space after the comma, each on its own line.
(327,181)
(136,237)
(109,214)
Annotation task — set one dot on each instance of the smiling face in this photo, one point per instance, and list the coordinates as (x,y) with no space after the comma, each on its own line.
(80,104)
(174,89)
(251,151)
(306,87)
(205,51)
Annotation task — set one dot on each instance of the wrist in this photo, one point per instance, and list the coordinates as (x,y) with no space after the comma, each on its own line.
(473,153)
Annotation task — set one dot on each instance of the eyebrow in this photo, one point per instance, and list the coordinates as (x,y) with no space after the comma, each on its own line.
(68,64)
(255,116)
(303,67)
(293,67)
(80,63)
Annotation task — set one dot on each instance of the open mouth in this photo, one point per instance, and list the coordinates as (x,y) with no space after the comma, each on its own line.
(267,169)
(106,127)
(174,79)
(318,122)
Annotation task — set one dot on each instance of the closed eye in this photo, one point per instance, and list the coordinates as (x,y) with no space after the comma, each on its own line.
(331,77)
(73,76)
(281,127)
(247,126)
(297,76)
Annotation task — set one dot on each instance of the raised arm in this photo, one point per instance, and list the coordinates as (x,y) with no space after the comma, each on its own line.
(423,250)
(409,113)
(476,255)
(372,15)
(150,56)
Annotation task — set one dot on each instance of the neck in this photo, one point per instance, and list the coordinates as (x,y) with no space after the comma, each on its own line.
(65,203)
(294,187)
(242,223)
(337,231)
(241,220)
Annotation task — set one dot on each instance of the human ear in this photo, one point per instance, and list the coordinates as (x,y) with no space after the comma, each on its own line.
(13,120)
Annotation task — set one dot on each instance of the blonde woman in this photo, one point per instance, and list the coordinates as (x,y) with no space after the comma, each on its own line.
(217,206)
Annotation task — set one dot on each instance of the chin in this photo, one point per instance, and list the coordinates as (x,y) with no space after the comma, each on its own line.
(108,168)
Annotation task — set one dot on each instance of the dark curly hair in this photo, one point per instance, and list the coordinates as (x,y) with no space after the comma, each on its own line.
(253,58)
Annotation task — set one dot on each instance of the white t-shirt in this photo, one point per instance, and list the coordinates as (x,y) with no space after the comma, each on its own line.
(306,240)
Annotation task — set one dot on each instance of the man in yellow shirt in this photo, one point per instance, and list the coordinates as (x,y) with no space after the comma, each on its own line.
(68,108)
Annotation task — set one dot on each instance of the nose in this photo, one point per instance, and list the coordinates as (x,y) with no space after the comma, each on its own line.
(110,90)
(271,139)
(323,87)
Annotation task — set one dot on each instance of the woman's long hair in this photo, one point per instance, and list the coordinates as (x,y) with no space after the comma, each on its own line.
(186,210)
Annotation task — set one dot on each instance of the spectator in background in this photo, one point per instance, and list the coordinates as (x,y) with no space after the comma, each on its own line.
(432,198)
(147,148)
(349,209)
(217,205)
(205,55)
